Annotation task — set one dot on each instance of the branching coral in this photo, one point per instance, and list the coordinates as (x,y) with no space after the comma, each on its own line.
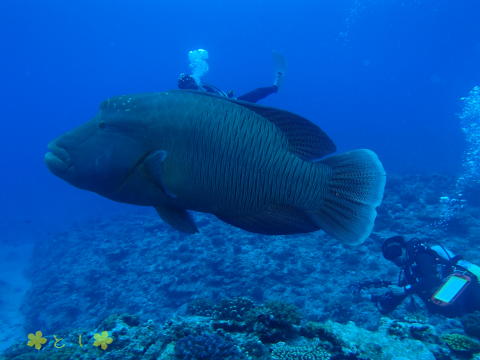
(282,351)
(207,346)
(461,343)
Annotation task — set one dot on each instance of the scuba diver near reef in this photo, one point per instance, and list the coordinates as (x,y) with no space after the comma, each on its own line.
(199,67)
(447,284)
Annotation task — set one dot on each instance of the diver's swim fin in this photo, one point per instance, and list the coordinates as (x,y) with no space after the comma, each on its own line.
(280,67)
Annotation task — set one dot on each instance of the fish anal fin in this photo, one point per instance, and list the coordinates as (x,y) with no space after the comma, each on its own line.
(177,218)
(275,220)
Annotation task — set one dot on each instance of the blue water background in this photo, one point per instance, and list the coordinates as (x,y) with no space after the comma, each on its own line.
(384,74)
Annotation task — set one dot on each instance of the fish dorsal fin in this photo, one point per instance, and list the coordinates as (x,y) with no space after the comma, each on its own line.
(306,139)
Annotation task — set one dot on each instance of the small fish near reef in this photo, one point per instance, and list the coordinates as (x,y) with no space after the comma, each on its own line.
(257,168)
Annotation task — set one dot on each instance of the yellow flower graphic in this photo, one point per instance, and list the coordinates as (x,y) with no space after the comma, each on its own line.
(36,340)
(102,340)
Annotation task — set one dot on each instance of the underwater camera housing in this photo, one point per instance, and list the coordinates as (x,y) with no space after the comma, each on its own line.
(451,289)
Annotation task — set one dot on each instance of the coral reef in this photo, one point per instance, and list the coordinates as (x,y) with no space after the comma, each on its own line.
(207,346)
(362,343)
(135,264)
(282,351)
(233,309)
(197,338)
(212,283)
(471,324)
(207,338)
(275,321)
(461,343)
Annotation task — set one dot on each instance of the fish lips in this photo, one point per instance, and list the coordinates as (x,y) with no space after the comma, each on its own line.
(58,160)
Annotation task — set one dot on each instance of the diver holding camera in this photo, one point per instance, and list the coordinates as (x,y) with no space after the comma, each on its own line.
(446,283)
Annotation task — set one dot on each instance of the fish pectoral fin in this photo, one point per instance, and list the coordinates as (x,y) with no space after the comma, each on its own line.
(275,220)
(177,218)
(154,165)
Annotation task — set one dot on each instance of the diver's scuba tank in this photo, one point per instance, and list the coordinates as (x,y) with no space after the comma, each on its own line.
(443,253)
(470,267)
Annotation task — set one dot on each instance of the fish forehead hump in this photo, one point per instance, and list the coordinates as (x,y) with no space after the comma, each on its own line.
(175,110)
(176,106)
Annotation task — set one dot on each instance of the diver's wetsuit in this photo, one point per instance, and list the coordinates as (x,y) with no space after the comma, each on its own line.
(258,94)
(186,82)
(423,273)
(424,270)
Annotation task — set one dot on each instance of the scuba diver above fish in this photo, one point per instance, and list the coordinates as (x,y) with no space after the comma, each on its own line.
(257,168)
(198,64)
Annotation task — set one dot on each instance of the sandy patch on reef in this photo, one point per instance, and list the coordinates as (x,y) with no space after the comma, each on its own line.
(13,285)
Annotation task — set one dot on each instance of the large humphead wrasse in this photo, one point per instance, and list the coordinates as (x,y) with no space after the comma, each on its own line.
(254,167)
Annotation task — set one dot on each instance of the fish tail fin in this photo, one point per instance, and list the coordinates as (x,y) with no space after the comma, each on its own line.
(354,190)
